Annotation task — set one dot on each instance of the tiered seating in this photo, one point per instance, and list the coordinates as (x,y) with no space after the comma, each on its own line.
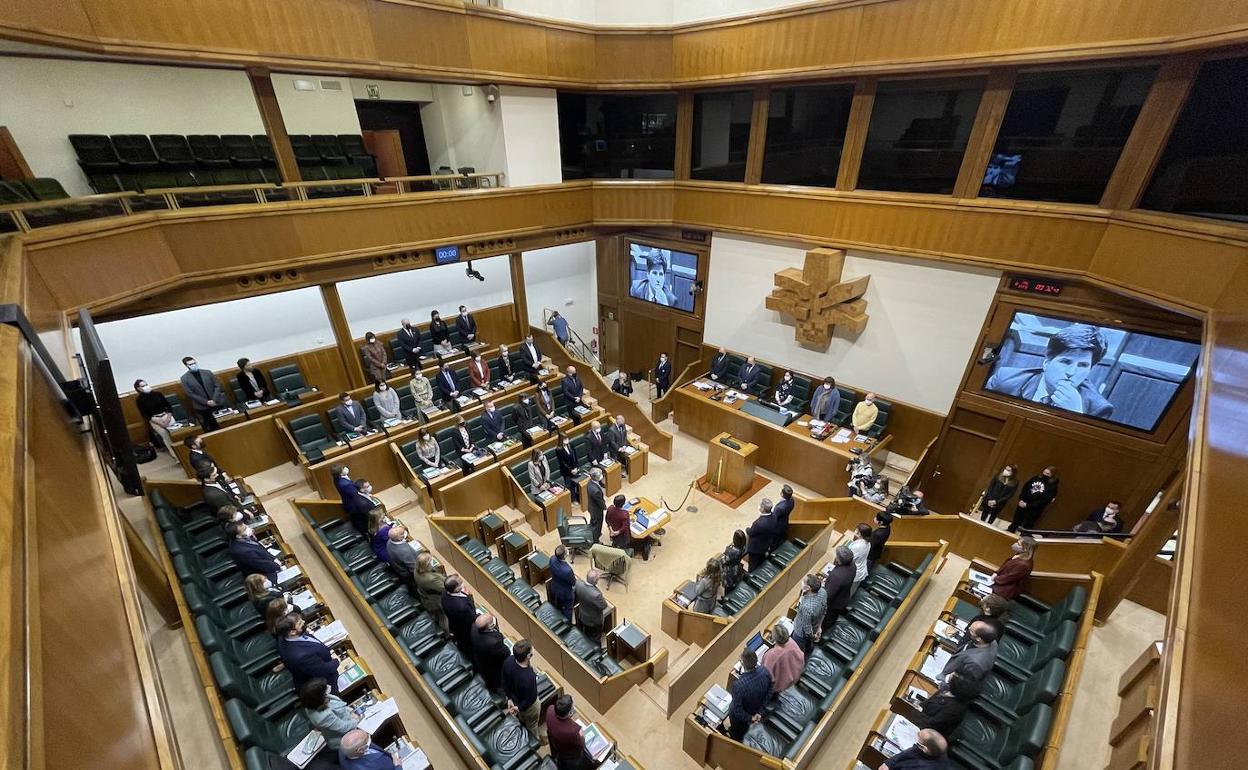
(752,583)
(258,699)
(47,189)
(450,680)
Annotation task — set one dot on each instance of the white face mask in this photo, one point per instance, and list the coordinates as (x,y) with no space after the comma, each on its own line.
(267,584)
(346,471)
(145,388)
(1110,513)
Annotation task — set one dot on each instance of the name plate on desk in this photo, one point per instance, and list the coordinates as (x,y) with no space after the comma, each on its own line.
(777,417)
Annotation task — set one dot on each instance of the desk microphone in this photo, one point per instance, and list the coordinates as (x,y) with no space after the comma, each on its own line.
(730,443)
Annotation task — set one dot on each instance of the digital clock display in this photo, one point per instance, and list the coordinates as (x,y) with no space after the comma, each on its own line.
(1033,285)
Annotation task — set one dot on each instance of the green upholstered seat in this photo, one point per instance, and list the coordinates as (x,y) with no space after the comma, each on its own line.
(980,742)
(270,693)
(1020,660)
(276,735)
(1006,699)
(253,654)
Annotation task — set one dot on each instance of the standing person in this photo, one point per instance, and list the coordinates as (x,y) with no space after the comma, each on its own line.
(732,569)
(825,402)
(749,695)
(489,650)
(573,388)
(839,585)
(879,537)
(479,372)
(428,451)
(662,375)
(1037,494)
(865,414)
(623,384)
(539,472)
(1011,578)
(379,533)
(591,606)
(783,395)
(998,493)
(506,369)
(494,423)
(749,375)
(760,535)
(619,523)
(252,382)
(439,333)
(261,591)
(155,408)
(566,456)
(596,492)
(386,399)
(860,547)
(530,358)
(781,511)
(350,414)
(719,365)
(430,586)
(402,556)
(249,555)
(328,713)
(341,475)
(467,326)
(706,591)
(422,390)
(928,753)
(784,660)
(205,392)
(560,326)
(460,612)
(375,358)
(567,745)
(975,659)
(546,406)
(305,656)
(520,687)
(409,342)
(448,386)
(944,710)
(561,591)
(812,606)
(198,455)
(358,752)
(617,436)
(994,610)
(360,505)
(597,443)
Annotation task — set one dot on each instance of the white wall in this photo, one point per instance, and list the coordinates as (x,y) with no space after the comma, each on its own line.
(391,90)
(379,302)
(152,346)
(42,101)
(318,111)
(464,130)
(564,278)
(924,319)
(531,133)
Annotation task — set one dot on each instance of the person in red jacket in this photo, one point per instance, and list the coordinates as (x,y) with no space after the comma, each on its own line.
(1012,577)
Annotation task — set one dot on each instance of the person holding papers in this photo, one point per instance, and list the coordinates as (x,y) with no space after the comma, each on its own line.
(358,752)
(719,366)
(479,372)
(1011,579)
(305,656)
(350,414)
(749,695)
(327,712)
(567,745)
(494,423)
(252,382)
(250,556)
(386,399)
(427,450)
(928,753)
(785,659)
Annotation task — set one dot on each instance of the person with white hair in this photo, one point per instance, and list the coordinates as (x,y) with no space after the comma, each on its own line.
(358,752)
(591,605)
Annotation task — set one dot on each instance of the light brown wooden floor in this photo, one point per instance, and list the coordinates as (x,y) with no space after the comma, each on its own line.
(638,719)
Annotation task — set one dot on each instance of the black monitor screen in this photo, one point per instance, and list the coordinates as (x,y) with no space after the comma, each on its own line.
(662,276)
(1118,375)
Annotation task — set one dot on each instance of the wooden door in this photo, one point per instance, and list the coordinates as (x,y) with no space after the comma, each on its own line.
(387,147)
(609,320)
(952,485)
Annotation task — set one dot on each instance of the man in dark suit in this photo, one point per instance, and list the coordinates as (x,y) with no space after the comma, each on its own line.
(494,423)
(342,481)
(617,435)
(197,455)
(359,503)
(525,415)
(760,534)
(252,381)
(749,375)
(719,366)
(825,401)
(530,357)
(662,375)
(402,556)
(350,413)
(838,586)
(591,606)
(506,370)
(305,656)
(1061,381)
(879,537)
(573,389)
(409,341)
(448,386)
(251,557)
(461,613)
(467,326)
(206,395)
(561,590)
(463,437)
(489,650)
(597,494)
(216,492)
(781,512)
(599,445)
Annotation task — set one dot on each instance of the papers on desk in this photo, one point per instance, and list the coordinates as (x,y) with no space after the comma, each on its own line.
(581,410)
(393,421)
(463,400)
(596,744)
(272,401)
(732,396)
(431,473)
(978,583)
(307,748)
(915,696)
(948,632)
(377,714)
(841,436)
(350,675)
(629,450)
(289,574)
(499,446)
(303,600)
(469,457)
(901,731)
(331,634)
(253,404)
(685,596)
(560,420)
(479,392)
(274,552)
(934,663)
(536,429)
(787,623)
(411,757)
(716,703)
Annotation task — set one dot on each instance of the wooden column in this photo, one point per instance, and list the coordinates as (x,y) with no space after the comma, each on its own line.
(274,125)
(342,335)
(13,164)
(151,576)
(1151,132)
(983,136)
(758,136)
(684,134)
(1143,548)
(519,300)
(856,134)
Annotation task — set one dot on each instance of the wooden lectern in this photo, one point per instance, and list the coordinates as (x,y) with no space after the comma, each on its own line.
(728,469)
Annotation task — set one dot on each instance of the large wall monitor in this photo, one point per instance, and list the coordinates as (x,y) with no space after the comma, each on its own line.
(662,276)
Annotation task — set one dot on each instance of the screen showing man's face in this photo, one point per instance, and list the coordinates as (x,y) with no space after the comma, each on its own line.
(1070,366)
(655,277)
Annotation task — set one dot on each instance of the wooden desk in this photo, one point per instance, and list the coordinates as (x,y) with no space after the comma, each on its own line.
(491,528)
(628,642)
(514,546)
(638,461)
(535,568)
(731,470)
(648,507)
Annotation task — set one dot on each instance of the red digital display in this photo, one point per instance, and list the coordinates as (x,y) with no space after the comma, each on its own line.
(1033,285)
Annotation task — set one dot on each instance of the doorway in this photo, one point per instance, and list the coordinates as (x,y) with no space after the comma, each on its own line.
(609,336)
(393,133)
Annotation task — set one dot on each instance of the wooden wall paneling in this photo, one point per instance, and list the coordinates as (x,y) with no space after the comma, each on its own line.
(997,92)
(250,447)
(13,164)
(1149,538)
(519,296)
(684,134)
(497,45)
(352,364)
(1150,133)
(1154,585)
(570,55)
(758,135)
(19,713)
(407,35)
(274,124)
(642,59)
(856,134)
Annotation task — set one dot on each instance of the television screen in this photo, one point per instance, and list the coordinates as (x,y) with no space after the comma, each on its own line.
(1002,170)
(1118,375)
(662,276)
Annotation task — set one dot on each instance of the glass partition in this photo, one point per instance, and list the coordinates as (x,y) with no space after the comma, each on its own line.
(805,134)
(721,135)
(617,136)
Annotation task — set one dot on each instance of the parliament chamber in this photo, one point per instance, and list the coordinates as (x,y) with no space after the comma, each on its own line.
(524,384)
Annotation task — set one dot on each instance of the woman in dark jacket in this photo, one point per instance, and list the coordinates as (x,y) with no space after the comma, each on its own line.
(155,408)
(944,711)
(1033,498)
(438,330)
(998,494)
(732,570)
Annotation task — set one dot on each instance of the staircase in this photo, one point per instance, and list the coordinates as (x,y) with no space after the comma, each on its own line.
(576,345)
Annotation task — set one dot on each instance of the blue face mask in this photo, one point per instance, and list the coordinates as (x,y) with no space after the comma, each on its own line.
(193,367)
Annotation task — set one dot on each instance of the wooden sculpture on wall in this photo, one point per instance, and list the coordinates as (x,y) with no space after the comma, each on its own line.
(818,299)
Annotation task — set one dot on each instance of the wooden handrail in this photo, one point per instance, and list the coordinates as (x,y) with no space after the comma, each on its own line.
(83,200)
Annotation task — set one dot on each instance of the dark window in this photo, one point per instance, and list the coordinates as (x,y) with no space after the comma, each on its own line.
(1204,169)
(805,133)
(721,135)
(613,136)
(1063,132)
(918,134)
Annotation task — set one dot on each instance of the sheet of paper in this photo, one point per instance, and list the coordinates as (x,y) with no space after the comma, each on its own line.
(303,600)
(373,719)
(306,749)
(901,731)
(935,663)
(331,634)
(287,575)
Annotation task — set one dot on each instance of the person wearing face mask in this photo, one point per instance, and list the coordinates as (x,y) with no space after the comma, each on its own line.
(1033,497)
(825,402)
(156,409)
(599,445)
(617,435)
(878,491)
(250,556)
(546,405)
(479,372)
(422,390)
(427,450)
(350,414)
(216,491)
(341,475)
(865,413)
(573,389)
(360,504)
(1103,520)
(375,358)
(530,357)
(463,438)
(205,392)
(261,591)
(305,656)
(783,395)
(539,472)
(467,326)
(409,342)
(252,381)
(998,493)
(879,538)
(448,386)
(1012,577)
(566,457)
(719,365)
(525,415)
(662,375)
(197,455)
(386,399)
(506,369)
(439,332)
(623,384)
(489,650)
(493,422)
